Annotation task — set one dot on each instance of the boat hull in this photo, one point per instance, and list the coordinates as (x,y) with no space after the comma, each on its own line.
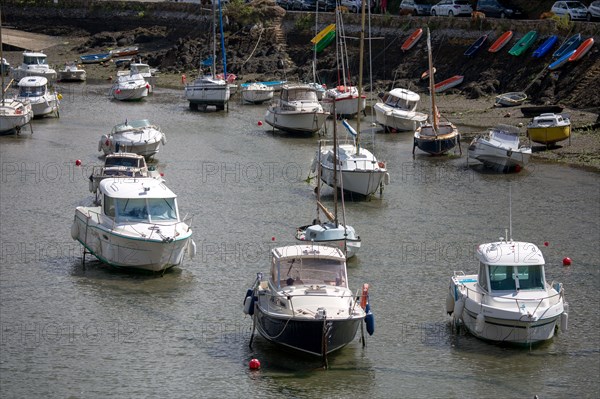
(448,83)
(446,139)
(130,94)
(205,95)
(363,182)
(500,159)
(123,251)
(398,119)
(72,76)
(501,42)
(258,96)
(345,105)
(349,246)
(549,135)
(306,335)
(13,116)
(295,121)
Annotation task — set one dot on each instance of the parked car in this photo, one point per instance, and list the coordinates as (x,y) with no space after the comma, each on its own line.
(499,9)
(593,13)
(356,5)
(415,7)
(572,9)
(452,8)
(326,5)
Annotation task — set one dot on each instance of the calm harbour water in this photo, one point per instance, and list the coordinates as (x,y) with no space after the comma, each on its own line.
(82,332)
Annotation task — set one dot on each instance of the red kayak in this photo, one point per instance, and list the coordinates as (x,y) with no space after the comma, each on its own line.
(501,42)
(582,49)
(412,39)
(448,83)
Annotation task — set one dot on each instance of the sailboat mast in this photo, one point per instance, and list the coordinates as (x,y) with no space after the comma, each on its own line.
(335,168)
(222,42)
(433,113)
(360,74)
(214,40)
(1,56)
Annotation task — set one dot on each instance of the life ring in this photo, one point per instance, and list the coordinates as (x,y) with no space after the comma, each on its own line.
(364,298)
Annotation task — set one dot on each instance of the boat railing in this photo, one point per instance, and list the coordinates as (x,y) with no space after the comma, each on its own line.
(519,303)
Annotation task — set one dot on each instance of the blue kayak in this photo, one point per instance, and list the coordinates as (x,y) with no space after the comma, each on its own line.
(476,46)
(561,61)
(545,47)
(567,46)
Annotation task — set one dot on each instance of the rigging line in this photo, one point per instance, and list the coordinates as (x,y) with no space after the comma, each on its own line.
(255,47)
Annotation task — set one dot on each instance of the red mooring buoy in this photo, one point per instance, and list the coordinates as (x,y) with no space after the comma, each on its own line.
(259,123)
(254,364)
(78,162)
(567,261)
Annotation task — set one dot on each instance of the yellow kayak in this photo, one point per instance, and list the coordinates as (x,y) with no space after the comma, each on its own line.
(322,34)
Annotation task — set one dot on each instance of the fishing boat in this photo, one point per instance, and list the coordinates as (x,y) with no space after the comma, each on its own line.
(138,136)
(582,50)
(13,114)
(569,45)
(397,110)
(130,88)
(501,42)
(435,137)
(535,110)
(135,225)
(297,110)
(257,93)
(448,83)
(509,300)
(559,63)
(306,303)
(331,232)
(545,47)
(95,58)
(210,90)
(71,72)
(124,51)
(523,44)
(412,39)
(476,46)
(500,149)
(549,129)
(34,89)
(511,99)
(35,63)
(121,165)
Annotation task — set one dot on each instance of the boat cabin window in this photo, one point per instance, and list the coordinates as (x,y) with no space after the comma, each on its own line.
(123,161)
(34,60)
(512,278)
(308,271)
(145,209)
(299,95)
(35,91)
(482,277)
(109,206)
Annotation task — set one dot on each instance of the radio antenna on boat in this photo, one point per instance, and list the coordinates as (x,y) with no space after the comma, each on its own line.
(510,212)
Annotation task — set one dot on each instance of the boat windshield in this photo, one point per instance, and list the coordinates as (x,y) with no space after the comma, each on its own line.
(308,271)
(123,161)
(512,278)
(34,60)
(128,125)
(299,95)
(36,91)
(141,209)
(398,102)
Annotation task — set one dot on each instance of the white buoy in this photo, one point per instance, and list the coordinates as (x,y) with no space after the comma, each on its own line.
(458,308)
(479,323)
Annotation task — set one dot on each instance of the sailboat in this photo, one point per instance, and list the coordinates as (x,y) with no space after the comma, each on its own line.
(13,114)
(210,89)
(331,232)
(348,99)
(361,172)
(435,137)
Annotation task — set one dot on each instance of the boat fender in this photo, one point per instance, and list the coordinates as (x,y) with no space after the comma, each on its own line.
(449,304)
(249,304)
(163,140)
(386,179)
(479,323)
(370,320)
(313,165)
(365,296)
(191,249)
(564,322)
(75,230)
(459,305)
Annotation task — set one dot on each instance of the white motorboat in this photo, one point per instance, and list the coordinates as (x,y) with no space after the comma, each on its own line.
(306,303)
(136,225)
(71,72)
(138,136)
(257,93)
(144,70)
(34,64)
(397,110)
(435,137)
(130,88)
(348,101)
(297,110)
(14,115)
(500,149)
(509,300)
(332,232)
(121,164)
(34,89)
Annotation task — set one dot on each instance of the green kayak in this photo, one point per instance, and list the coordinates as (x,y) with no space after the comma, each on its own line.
(523,44)
(324,42)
